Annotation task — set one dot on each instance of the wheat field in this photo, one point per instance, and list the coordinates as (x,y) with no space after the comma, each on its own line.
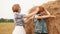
(6,28)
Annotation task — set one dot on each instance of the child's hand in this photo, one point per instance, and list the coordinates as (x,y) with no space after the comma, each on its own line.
(53,16)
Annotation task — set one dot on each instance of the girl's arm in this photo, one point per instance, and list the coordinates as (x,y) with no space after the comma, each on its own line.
(27,19)
(45,16)
(47,12)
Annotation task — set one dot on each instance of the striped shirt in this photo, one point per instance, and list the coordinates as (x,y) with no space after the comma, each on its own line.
(19,19)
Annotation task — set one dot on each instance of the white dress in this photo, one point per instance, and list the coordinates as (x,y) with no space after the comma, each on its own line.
(19,29)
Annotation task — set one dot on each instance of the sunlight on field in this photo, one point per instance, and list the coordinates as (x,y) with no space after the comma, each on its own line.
(6,28)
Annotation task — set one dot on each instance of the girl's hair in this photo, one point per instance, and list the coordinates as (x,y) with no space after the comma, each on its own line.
(15,7)
(41,9)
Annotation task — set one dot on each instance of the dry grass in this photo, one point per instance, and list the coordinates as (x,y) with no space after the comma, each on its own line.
(6,28)
(53,24)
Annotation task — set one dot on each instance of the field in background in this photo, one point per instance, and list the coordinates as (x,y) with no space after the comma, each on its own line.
(6,28)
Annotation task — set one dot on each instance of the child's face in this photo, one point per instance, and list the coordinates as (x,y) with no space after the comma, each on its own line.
(41,11)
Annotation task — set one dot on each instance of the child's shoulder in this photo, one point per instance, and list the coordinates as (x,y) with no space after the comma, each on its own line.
(23,15)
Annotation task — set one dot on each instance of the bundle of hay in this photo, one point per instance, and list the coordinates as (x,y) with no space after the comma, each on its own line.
(29,26)
(53,24)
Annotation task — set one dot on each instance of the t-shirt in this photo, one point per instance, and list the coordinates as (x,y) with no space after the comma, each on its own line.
(19,19)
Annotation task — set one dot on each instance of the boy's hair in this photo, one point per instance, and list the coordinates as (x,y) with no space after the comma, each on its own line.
(15,7)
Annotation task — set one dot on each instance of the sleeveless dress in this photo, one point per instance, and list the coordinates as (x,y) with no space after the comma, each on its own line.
(40,25)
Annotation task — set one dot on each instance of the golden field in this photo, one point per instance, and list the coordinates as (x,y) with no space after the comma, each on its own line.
(6,28)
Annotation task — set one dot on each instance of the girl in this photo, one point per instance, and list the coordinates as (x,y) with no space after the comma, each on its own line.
(19,19)
(40,18)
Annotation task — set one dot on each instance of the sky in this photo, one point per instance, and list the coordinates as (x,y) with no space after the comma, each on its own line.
(6,5)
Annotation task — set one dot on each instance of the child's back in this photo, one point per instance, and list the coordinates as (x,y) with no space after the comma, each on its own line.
(18,20)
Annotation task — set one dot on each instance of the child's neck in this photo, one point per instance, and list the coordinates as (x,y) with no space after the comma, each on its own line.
(18,12)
